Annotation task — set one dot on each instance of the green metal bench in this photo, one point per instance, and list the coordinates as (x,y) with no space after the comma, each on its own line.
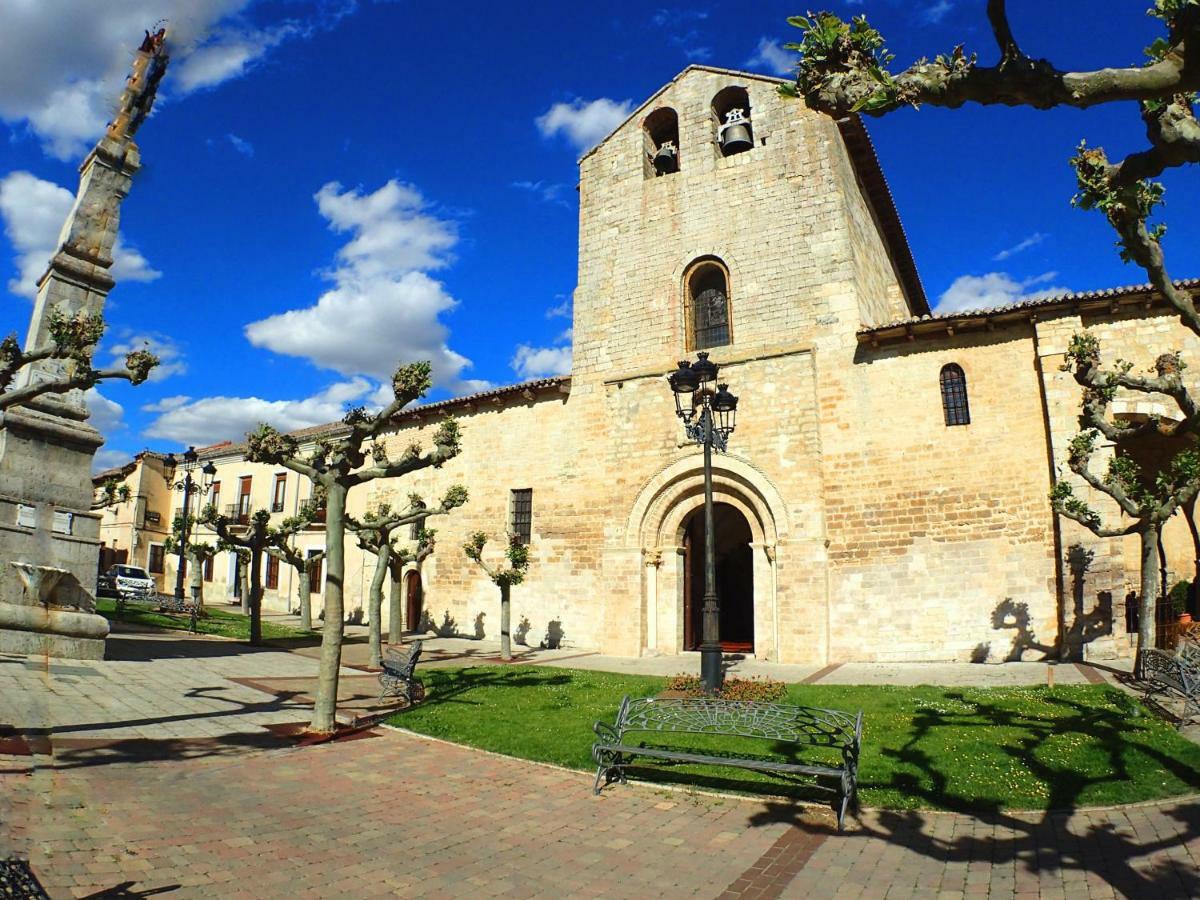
(616,747)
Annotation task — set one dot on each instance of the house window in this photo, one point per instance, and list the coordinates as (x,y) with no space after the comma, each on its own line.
(707,307)
(272,572)
(954,395)
(156,559)
(521,517)
(242,514)
(215,496)
(661,137)
(208,568)
(279,492)
(314,573)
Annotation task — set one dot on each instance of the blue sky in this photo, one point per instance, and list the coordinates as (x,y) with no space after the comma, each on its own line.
(332,185)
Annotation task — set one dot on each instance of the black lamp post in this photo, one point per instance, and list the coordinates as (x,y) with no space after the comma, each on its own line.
(187,485)
(708,412)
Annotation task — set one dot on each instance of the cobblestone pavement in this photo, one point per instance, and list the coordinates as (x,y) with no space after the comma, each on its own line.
(394,813)
(168,768)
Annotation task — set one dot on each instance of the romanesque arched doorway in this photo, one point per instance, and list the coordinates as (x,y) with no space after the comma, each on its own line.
(414,600)
(735,578)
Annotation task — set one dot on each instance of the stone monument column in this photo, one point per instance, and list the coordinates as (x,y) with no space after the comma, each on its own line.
(49,536)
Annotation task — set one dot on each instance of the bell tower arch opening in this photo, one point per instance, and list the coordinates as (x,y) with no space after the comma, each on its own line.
(660,132)
(731,120)
(734,558)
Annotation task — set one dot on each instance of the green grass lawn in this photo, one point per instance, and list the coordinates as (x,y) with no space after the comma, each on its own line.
(949,748)
(214,621)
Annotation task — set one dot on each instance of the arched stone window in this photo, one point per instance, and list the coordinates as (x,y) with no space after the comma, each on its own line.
(954,395)
(706,307)
(731,121)
(661,133)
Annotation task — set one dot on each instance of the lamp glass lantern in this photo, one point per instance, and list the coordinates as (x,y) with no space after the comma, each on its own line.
(724,404)
(684,381)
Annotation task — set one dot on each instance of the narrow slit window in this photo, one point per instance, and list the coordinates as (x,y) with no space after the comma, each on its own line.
(954,395)
(521,524)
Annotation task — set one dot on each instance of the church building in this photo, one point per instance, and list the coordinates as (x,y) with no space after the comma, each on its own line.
(885,493)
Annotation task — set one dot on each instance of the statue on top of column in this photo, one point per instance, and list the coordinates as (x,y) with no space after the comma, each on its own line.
(149,66)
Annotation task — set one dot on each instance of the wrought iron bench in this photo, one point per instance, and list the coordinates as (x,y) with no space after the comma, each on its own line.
(615,747)
(1189,652)
(397,675)
(1176,675)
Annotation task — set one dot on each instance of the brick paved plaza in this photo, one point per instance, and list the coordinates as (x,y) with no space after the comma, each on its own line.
(155,772)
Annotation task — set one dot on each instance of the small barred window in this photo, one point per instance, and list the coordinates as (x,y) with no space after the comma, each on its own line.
(521,524)
(954,395)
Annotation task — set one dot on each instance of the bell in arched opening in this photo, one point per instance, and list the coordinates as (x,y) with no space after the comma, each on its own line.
(661,132)
(732,117)
(735,134)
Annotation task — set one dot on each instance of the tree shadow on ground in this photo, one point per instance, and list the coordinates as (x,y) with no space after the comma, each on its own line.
(1036,843)
(150,646)
(126,890)
(449,685)
(74,746)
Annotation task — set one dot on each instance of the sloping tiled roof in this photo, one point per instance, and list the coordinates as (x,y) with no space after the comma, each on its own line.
(990,317)
(334,429)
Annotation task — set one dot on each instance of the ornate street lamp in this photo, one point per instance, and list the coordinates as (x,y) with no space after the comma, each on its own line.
(708,416)
(188,486)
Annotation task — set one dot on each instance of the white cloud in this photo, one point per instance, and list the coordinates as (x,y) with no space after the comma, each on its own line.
(673,18)
(542,362)
(937,11)
(34,211)
(1032,241)
(585,123)
(560,310)
(383,308)
(213,419)
(547,192)
(171,361)
(105,415)
(64,62)
(770,56)
(166,404)
(241,145)
(109,459)
(971,292)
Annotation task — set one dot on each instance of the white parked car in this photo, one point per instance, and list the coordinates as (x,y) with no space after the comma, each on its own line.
(126,582)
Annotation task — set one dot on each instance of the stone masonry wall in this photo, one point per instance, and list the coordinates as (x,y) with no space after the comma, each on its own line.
(941,537)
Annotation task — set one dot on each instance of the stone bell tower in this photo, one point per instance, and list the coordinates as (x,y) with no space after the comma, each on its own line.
(49,537)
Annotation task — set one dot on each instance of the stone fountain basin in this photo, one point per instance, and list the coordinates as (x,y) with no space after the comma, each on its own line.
(39,581)
(47,620)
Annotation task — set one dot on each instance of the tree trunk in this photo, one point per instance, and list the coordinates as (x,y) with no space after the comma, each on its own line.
(243,581)
(197,586)
(325,708)
(304,596)
(395,619)
(505,642)
(256,592)
(1149,593)
(375,603)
